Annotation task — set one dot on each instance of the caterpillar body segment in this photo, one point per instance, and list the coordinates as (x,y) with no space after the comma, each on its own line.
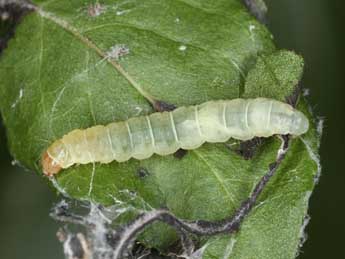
(164,133)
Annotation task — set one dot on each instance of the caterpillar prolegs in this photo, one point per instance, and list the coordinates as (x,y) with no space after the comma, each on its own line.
(164,133)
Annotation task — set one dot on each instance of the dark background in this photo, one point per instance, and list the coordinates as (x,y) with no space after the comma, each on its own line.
(313,28)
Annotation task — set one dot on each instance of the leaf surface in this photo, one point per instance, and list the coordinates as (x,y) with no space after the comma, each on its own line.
(73,66)
(274,75)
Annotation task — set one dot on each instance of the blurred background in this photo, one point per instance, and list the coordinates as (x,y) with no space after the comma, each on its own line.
(313,28)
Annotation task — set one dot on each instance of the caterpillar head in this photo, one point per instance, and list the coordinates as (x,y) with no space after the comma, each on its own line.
(53,157)
(49,165)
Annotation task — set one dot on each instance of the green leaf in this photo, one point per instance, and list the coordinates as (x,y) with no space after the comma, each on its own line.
(56,75)
(274,75)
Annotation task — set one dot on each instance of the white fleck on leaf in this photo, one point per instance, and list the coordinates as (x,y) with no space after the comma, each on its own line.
(20,96)
(117,51)
(182,48)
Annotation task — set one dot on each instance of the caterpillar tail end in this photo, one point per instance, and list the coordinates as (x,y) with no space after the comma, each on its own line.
(49,166)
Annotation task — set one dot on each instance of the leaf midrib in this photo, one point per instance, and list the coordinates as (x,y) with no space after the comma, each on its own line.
(65,25)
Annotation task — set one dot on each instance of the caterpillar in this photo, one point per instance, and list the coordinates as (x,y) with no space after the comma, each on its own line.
(166,132)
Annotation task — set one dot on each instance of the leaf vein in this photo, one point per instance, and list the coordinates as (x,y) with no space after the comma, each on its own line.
(74,31)
(214,53)
(217,176)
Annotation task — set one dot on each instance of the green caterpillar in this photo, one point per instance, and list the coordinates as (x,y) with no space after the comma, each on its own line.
(164,133)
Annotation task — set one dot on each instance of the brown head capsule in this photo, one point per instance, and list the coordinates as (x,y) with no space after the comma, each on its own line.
(50,167)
